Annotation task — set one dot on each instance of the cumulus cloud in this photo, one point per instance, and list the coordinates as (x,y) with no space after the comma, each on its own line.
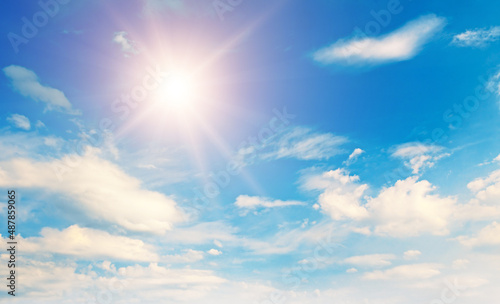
(408,208)
(19,121)
(342,194)
(253,202)
(97,187)
(214,252)
(418,156)
(405,272)
(489,235)
(26,82)
(371,260)
(477,37)
(401,44)
(86,243)
(128,46)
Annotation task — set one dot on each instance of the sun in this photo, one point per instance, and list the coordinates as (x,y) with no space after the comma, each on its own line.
(178,90)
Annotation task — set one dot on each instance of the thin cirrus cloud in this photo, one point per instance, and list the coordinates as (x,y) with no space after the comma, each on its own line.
(401,44)
(26,82)
(419,156)
(19,121)
(477,37)
(295,143)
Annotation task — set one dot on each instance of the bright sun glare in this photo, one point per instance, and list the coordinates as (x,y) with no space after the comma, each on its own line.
(177,90)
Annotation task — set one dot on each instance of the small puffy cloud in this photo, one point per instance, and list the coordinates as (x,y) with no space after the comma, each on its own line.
(418,156)
(405,272)
(19,121)
(26,82)
(86,243)
(218,243)
(128,46)
(342,194)
(254,202)
(488,236)
(371,260)
(354,156)
(401,44)
(412,254)
(351,270)
(214,252)
(477,37)
(97,187)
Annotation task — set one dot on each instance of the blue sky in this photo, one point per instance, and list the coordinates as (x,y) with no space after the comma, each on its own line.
(177,151)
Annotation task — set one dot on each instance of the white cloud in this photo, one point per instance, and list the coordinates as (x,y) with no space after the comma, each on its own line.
(86,243)
(354,156)
(351,270)
(97,187)
(412,254)
(342,194)
(214,252)
(189,256)
(299,143)
(401,44)
(409,209)
(477,37)
(19,121)
(489,235)
(253,202)
(419,156)
(371,260)
(405,272)
(26,82)
(128,46)
(460,263)
(218,243)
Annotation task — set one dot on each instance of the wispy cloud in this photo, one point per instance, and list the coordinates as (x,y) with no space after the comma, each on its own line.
(298,143)
(26,82)
(19,121)
(419,156)
(354,156)
(371,260)
(128,46)
(477,37)
(254,202)
(406,272)
(401,44)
